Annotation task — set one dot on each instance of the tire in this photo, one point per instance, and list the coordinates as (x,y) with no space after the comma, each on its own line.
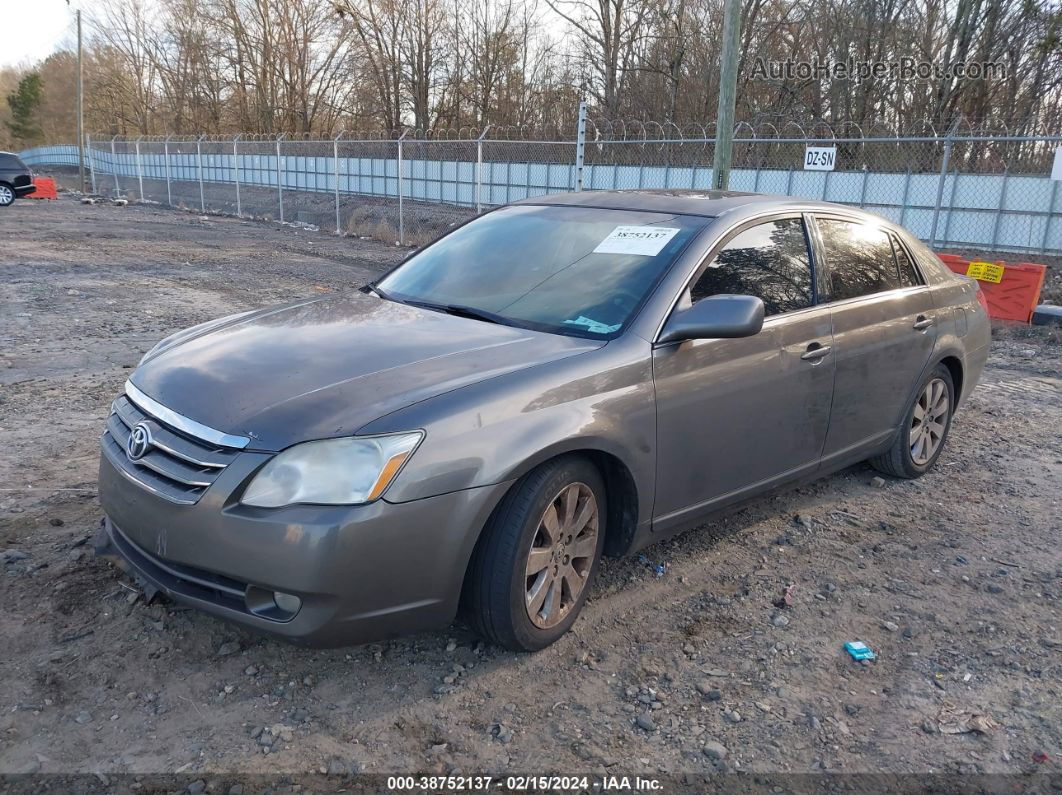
(501,594)
(905,459)
(7,195)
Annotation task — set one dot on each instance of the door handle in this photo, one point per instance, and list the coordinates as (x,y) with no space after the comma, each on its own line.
(923,322)
(815,352)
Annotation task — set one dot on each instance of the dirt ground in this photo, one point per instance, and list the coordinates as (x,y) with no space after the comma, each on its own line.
(954,580)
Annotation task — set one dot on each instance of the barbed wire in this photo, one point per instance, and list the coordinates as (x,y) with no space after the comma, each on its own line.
(764,127)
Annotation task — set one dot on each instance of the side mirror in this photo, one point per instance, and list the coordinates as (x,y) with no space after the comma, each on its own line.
(717,317)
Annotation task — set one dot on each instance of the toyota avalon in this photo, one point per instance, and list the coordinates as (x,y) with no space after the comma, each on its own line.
(559,379)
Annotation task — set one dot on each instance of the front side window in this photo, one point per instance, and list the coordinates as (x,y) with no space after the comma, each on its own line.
(578,271)
(769,261)
(859,257)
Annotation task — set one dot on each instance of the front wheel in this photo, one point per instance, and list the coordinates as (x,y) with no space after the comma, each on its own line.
(7,195)
(534,566)
(920,441)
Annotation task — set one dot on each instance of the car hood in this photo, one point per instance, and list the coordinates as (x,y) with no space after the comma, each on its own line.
(327,367)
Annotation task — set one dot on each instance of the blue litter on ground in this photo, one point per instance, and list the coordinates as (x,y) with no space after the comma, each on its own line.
(859,650)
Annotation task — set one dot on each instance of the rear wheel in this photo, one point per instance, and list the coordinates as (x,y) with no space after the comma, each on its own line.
(534,566)
(920,441)
(7,194)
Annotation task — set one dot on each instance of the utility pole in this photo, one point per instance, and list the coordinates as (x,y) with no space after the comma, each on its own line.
(724,125)
(80,106)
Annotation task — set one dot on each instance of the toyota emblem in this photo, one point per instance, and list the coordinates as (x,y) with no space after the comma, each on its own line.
(139,441)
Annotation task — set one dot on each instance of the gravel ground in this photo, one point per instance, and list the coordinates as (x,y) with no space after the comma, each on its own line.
(953,579)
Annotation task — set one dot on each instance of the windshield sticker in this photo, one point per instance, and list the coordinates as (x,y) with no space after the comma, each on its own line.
(593,325)
(644,241)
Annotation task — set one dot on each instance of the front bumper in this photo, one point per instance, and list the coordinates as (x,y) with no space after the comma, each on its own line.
(362,572)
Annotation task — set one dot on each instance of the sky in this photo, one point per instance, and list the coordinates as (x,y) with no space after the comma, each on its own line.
(42,26)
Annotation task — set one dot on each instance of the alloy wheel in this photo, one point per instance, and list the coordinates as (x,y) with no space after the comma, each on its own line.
(6,196)
(561,555)
(929,422)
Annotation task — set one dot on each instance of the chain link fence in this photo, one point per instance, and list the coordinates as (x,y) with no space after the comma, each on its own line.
(989,192)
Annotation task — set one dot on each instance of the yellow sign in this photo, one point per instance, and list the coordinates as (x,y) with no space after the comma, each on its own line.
(985,271)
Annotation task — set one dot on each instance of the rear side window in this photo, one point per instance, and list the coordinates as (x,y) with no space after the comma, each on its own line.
(769,260)
(860,258)
(906,268)
(11,162)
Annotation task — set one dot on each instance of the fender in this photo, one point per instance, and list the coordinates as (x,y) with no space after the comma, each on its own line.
(499,429)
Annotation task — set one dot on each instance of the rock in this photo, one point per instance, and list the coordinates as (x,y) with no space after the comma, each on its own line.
(645,723)
(890,626)
(300,715)
(11,555)
(82,717)
(337,767)
(196,787)
(733,716)
(780,620)
(714,750)
(251,670)
(230,647)
(716,672)
(451,646)
(236,789)
(504,734)
(55,522)
(877,482)
(929,727)
(652,669)
(704,687)
(762,707)
(993,588)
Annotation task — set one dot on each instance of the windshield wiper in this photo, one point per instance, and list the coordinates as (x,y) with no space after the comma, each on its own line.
(459,310)
(372,288)
(477,314)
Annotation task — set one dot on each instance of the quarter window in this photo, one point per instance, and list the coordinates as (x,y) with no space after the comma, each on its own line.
(769,261)
(860,258)
(906,268)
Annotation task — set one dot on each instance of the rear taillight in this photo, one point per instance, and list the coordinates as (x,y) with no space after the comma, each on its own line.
(982,300)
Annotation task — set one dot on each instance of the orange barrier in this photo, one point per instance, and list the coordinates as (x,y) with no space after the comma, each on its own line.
(45,189)
(1011,290)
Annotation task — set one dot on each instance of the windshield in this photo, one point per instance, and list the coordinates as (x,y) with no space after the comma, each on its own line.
(570,270)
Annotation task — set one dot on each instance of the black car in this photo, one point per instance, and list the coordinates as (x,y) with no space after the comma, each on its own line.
(16,179)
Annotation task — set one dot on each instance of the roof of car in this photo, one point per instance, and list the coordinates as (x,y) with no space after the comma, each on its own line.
(707,203)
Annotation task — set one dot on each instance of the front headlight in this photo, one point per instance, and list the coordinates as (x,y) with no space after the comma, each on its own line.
(343,471)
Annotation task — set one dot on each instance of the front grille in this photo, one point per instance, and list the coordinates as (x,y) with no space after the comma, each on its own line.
(177,466)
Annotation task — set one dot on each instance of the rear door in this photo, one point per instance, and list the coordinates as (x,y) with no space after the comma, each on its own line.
(884,329)
(736,415)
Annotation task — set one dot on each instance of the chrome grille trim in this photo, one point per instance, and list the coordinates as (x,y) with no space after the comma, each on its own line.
(182,423)
(176,467)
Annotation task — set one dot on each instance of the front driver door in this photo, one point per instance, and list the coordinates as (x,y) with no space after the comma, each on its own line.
(736,415)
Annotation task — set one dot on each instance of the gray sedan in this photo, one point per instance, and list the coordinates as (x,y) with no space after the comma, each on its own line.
(563,378)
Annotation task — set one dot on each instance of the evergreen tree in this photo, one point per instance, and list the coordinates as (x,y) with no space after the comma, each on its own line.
(24,103)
